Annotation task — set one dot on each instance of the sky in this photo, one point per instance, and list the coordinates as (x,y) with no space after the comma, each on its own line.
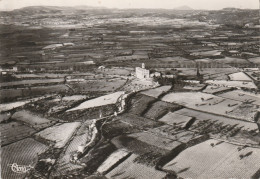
(164,4)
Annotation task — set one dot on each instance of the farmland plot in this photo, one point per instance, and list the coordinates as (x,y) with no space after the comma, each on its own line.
(14,131)
(239,76)
(214,89)
(100,101)
(60,133)
(129,168)
(230,84)
(23,152)
(221,119)
(155,139)
(204,102)
(9,106)
(114,159)
(98,85)
(155,92)
(175,119)
(160,108)
(4,117)
(139,103)
(32,120)
(82,137)
(242,96)
(203,161)
(33,91)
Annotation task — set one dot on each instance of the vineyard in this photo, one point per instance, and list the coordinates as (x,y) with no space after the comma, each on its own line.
(14,131)
(24,152)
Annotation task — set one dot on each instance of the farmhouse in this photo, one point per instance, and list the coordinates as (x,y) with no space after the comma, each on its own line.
(142,73)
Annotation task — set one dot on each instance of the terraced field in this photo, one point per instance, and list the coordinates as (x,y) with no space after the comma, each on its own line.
(32,120)
(139,103)
(131,169)
(160,108)
(59,133)
(14,131)
(155,92)
(63,164)
(199,162)
(23,152)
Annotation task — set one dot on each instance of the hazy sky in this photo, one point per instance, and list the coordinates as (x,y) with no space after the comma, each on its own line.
(166,4)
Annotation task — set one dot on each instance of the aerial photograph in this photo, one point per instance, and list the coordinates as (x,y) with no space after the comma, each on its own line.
(130,89)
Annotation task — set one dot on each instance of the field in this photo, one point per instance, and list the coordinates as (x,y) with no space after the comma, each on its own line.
(100,101)
(242,96)
(30,82)
(239,76)
(32,120)
(24,153)
(214,89)
(220,161)
(139,103)
(117,127)
(12,94)
(59,134)
(235,84)
(206,103)
(175,119)
(139,84)
(194,87)
(131,169)
(160,108)
(9,106)
(14,131)
(114,159)
(63,164)
(137,121)
(156,92)
(107,85)
(221,119)
(4,117)
(155,140)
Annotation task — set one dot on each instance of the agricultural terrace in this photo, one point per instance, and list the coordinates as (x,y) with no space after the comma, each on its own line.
(210,158)
(23,152)
(221,119)
(31,82)
(239,76)
(82,136)
(194,87)
(129,168)
(4,117)
(235,84)
(103,85)
(214,89)
(72,98)
(175,119)
(139,85)
(31,120)
(14,131)
(156,140)
(59,134)
(156,92)
(9,106)
(139,103)
(12,94)
(206,103)
(100,101)
(242,96)
(114,159)
(160,108)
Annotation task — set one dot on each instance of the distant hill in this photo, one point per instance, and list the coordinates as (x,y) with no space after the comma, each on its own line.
(184,8)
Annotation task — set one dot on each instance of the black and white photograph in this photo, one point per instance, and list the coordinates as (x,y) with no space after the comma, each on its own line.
(130,89)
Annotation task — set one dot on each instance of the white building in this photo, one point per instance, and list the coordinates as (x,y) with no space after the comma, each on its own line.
(142,73)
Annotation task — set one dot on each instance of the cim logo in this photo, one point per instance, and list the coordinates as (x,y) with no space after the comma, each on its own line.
(20,168)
